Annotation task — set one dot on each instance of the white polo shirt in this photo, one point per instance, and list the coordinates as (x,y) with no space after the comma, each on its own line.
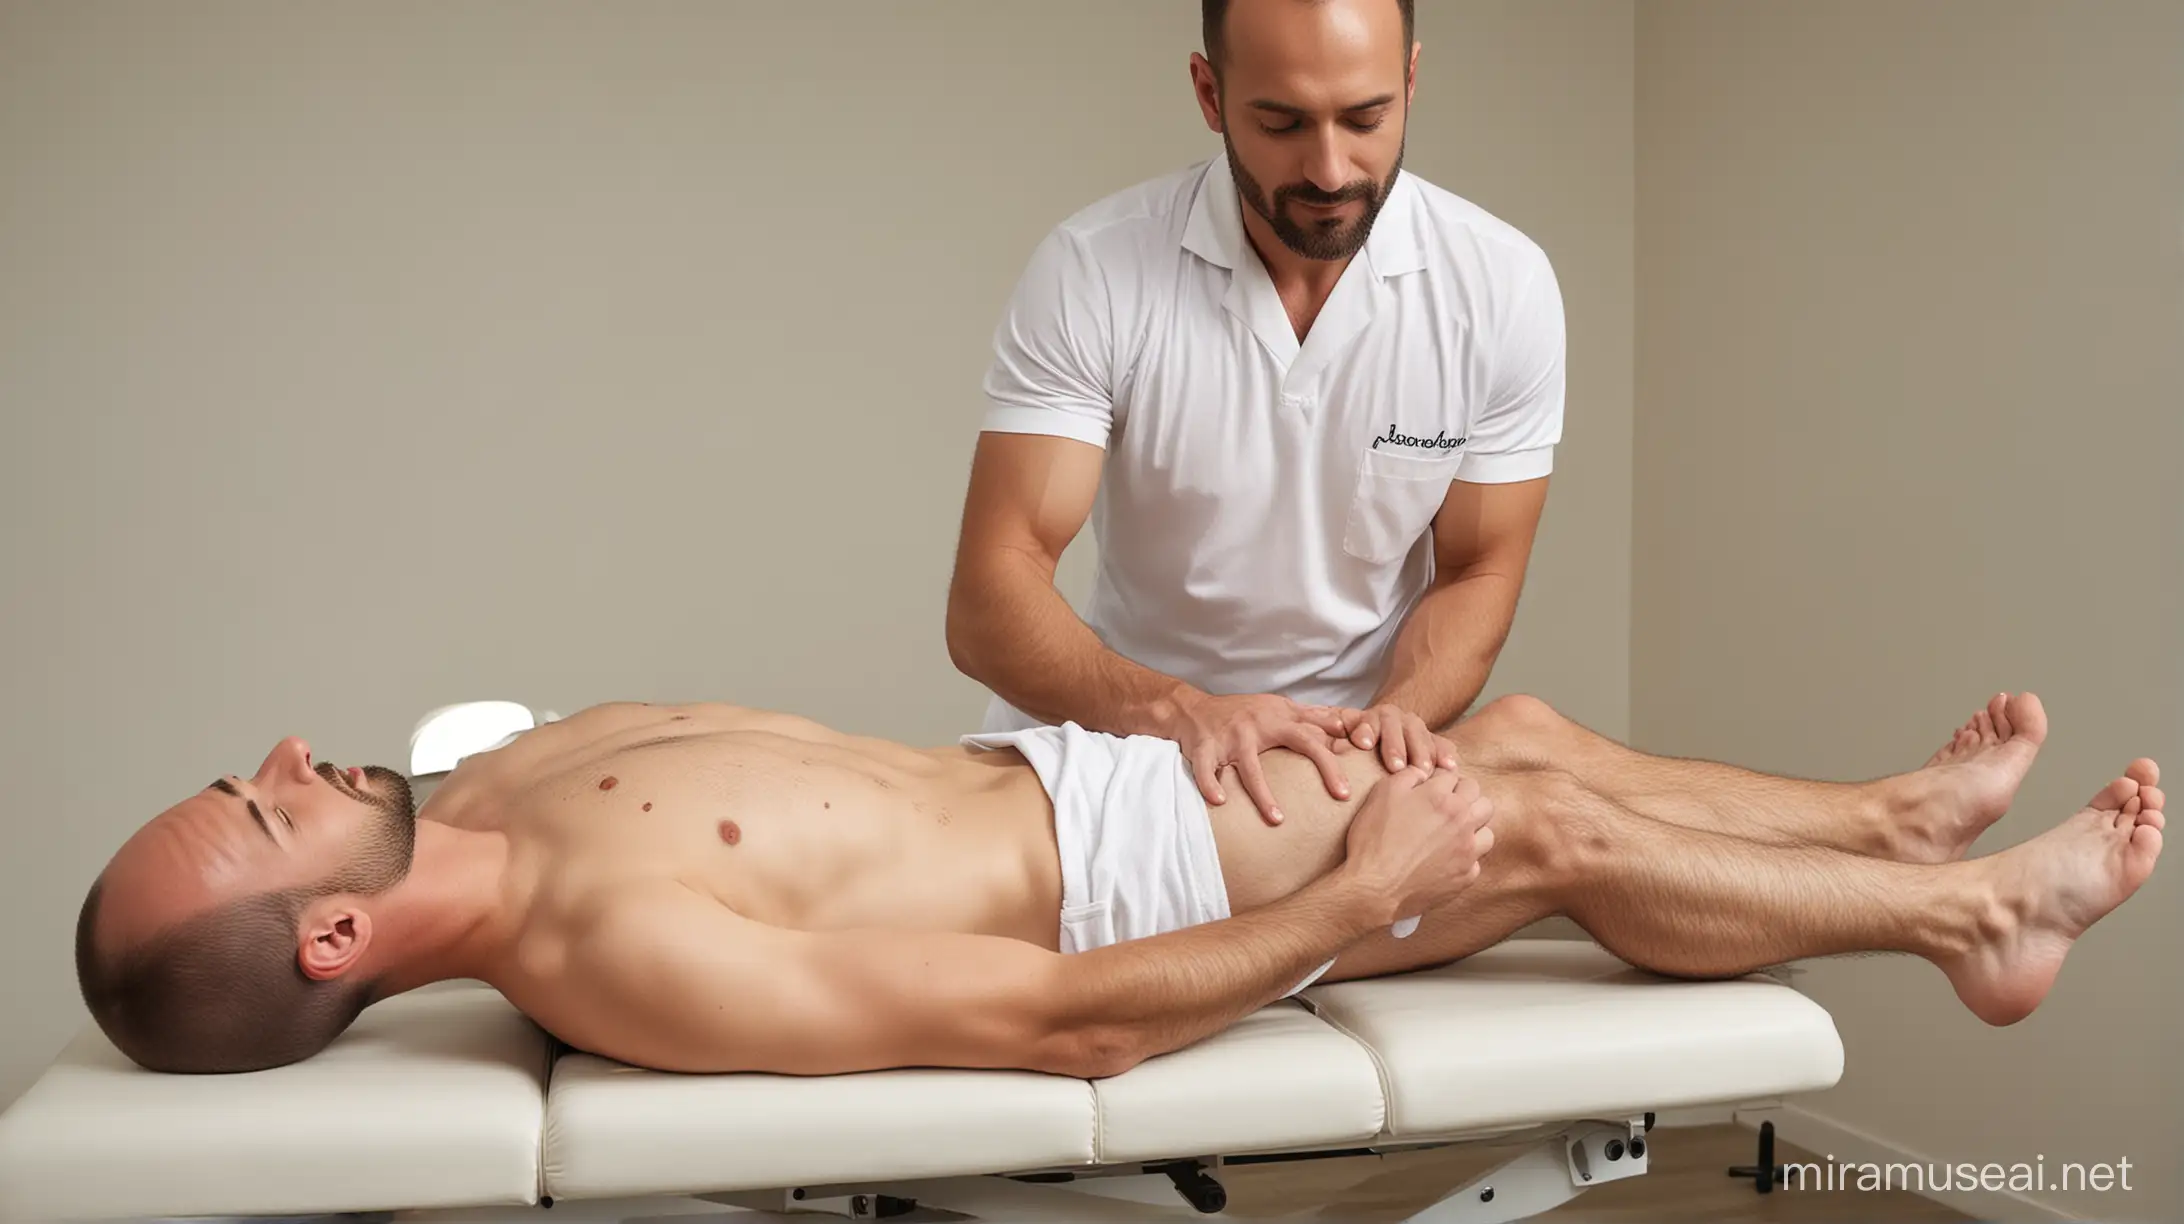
(1264,516)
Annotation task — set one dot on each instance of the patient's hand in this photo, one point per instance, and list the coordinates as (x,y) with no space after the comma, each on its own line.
(1216,732)
(1418,837)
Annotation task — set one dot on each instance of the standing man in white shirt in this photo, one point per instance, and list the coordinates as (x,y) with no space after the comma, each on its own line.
(1307,400)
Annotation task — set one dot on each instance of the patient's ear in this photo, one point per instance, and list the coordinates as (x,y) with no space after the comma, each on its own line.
(332,940)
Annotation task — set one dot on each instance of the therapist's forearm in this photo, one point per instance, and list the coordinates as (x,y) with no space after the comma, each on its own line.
(1011,630)
(1447,647)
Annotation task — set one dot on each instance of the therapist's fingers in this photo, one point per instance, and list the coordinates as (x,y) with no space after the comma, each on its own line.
(1334,720)
(1444,752)
(1360,736)
(1422,747)
(1206,768)
(1394,746)
(1342,728)
(1311,743)
(1254,778)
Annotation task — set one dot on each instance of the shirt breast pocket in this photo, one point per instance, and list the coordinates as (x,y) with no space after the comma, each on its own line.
(1397,497)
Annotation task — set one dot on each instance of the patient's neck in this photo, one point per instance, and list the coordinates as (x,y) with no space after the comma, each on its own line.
(450,917)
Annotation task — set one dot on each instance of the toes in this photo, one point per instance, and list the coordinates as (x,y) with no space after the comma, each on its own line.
(1998,710)
(2150,798)
(1986,726)
(2151,818)
(2146,840)
(2127,816)
(2144,772)
(2028,718)
(2113,796)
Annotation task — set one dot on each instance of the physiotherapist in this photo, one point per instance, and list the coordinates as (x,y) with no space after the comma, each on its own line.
(1309,403)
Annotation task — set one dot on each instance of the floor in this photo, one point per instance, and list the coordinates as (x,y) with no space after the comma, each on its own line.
(1687,1182)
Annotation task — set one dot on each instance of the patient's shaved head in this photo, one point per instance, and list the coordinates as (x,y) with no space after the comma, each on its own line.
(188,945)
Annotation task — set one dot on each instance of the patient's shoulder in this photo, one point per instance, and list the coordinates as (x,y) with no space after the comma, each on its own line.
(640,924)
(617,939)
(643,975)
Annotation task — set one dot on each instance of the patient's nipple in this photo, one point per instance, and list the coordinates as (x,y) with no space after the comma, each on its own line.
(730,833)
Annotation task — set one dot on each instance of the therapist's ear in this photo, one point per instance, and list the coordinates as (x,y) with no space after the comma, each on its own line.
(1206,83)
(332,941)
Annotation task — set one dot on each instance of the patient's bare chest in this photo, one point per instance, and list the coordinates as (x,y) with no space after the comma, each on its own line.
(771,836)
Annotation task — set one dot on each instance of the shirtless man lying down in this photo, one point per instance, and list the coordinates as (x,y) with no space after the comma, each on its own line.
(708,888)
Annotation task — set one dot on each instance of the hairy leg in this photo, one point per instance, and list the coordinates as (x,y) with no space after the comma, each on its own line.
(1929,815)
(1694,903)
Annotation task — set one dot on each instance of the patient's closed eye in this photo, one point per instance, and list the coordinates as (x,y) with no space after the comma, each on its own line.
(227,787)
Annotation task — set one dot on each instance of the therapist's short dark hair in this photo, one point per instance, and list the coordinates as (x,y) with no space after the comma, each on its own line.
(1212,13)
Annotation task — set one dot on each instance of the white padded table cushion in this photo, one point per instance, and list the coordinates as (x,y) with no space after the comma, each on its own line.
(613,1129)
(1533,1030)
(1278,1079)
(431,1099)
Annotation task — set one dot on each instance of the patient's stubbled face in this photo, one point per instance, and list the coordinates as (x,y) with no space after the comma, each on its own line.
(318,827)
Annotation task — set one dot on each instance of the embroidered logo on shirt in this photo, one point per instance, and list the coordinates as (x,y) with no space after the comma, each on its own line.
(1439,441)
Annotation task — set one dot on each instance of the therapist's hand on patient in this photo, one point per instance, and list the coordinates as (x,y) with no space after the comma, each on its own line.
(1418,838)
(1402,737)
(1216,732)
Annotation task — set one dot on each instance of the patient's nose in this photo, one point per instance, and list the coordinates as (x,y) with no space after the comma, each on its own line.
(291,758)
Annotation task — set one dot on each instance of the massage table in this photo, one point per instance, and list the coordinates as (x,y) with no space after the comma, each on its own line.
(448,1105)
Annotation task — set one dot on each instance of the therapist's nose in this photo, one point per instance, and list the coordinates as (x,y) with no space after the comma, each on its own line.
(1328,167)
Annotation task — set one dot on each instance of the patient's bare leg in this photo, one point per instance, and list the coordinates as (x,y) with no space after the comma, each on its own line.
(1694,903)
(1930,815)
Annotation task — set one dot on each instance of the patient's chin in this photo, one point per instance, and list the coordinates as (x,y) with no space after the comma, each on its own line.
(391,787)
(388,790)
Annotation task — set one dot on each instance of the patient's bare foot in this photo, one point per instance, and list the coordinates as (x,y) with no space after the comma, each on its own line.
(2050,889)
(1934,814)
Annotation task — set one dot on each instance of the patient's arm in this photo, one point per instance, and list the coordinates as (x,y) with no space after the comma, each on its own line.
(675,981)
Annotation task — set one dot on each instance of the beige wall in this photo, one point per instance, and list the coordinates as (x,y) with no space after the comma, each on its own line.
(358,359)
(353,361)
(1911,392)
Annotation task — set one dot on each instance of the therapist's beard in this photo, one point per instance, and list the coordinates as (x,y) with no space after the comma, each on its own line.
(1322,240)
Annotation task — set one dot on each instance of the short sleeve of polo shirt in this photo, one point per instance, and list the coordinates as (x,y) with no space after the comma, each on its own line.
(1515,434)
(1052,369)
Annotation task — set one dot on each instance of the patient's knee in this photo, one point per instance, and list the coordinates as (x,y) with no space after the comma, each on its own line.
(1556,827)
(1518,708)
(1514,731)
